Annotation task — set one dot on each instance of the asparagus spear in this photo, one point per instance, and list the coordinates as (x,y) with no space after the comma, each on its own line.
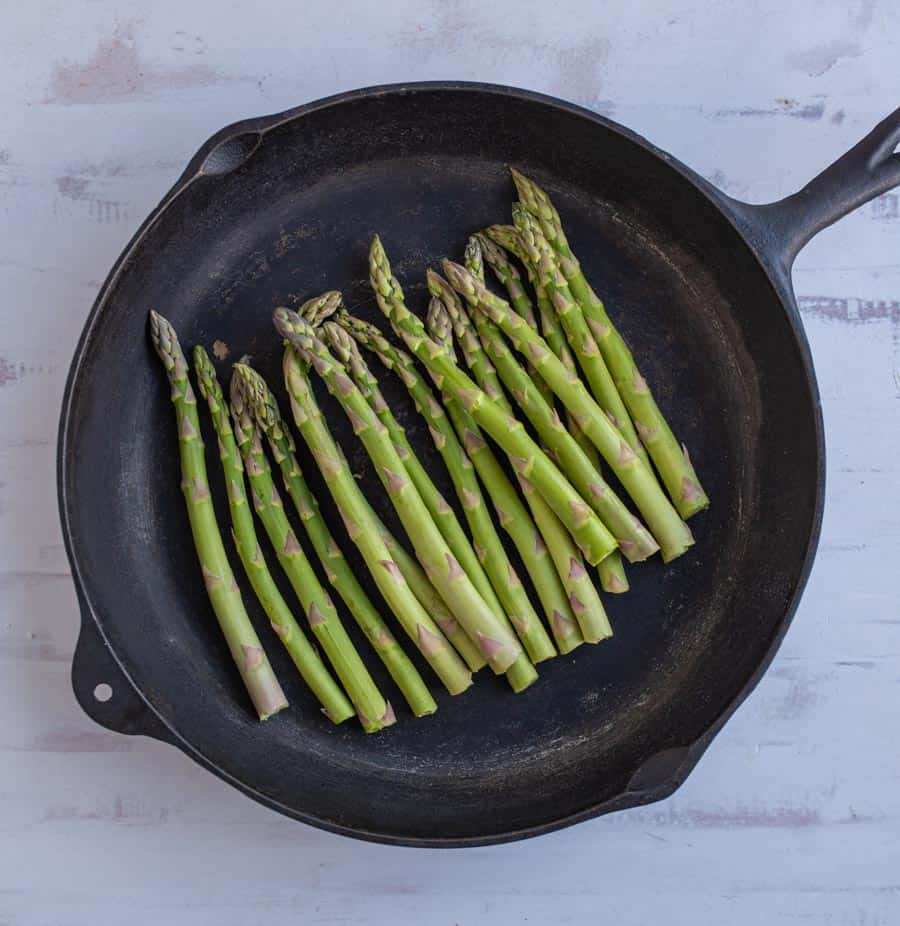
(429,640)
(611,570)
(551,280)
(495,639)
(476,360)
(373,710)
(583,599)
(223,591)
(502,574)
(672,460)
(590,533)
(332,698)
(672,534)
(479,249)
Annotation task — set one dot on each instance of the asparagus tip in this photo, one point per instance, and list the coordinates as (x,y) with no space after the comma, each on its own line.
(321,307)
(283,317)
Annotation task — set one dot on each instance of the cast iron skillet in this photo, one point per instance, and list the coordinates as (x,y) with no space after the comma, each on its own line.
(276,209)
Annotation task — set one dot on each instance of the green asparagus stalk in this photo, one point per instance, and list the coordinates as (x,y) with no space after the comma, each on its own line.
(611,570)
(509,276)
(223,591)
(587,529)
(341,576)
(476,360)
(495,639)
(672,534)
(416,622)
(671,460)
(313,671)
(304,581)
(584,602)
(374,711)
(516,604)
(551,280)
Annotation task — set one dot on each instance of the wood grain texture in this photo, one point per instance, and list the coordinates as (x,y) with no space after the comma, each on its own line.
(794,814)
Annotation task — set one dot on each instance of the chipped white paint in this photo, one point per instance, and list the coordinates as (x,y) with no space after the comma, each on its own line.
(794,814)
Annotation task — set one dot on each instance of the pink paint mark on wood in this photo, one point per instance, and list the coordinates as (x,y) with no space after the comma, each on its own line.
(9,372)
(851,311)
(739,816)
(120,810)
(77,741)
(782,816)
(804,691)
(116,72)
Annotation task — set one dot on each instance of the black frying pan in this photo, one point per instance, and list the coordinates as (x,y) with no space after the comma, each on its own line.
(275,209)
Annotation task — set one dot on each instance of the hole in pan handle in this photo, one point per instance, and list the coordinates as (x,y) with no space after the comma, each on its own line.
(103,690)
(867,170)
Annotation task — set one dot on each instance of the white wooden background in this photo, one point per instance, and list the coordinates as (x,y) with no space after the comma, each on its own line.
(794,814)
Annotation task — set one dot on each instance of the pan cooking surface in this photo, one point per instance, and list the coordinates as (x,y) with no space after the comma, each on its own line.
(296,218)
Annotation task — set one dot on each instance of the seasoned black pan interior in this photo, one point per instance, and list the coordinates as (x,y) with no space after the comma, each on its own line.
(424,169)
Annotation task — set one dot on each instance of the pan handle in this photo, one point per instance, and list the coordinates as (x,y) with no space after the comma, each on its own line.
(872,167)
(103,689)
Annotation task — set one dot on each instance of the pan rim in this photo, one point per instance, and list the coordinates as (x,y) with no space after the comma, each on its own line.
(778,276)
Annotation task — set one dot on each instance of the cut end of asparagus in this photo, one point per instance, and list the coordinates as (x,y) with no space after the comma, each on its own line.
(613,578)
(521,674)
(275,703)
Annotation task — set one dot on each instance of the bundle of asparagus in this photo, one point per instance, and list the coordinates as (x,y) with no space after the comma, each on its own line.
(460,598)
(362,527)
(507,595)
(583,599)
(493,636)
